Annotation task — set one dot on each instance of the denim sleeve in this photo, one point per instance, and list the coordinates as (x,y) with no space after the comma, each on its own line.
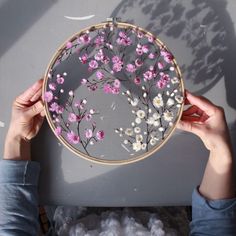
(19,198)
(212,217)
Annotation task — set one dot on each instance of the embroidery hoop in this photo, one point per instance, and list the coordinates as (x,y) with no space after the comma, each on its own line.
(114,22)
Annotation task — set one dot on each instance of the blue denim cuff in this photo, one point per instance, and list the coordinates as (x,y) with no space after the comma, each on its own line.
(223,206)
(19,172)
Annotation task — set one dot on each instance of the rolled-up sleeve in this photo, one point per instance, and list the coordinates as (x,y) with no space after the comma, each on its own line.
(19,197)
(212,217)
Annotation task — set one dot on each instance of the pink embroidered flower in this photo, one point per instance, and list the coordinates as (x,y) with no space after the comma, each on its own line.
(99,41)
(107,88)
(99,75)
(160,65)
(123,39)
(165,77)
(116,59)
(84,58)
(138,62)
(88,117)
(72,117)
(99,55)
(72,137)
(137,80)
(84,39)
(130,68)
(60,80)
(88,133)
(52,86)
(100,135)
(115,90)
(60,109)
(116,83)
(148,75)
(58,130)
(53,107)
(140,34)
(151,56)
(117,67)
(145,48)
(69,45)
(48,96)
(93,64)
(168,57)
(105,60)
(150,38)
(161,84)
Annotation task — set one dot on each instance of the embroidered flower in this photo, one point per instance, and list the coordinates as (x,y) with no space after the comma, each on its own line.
(52,86)
(100,135)
(58,130)
(93,64)
(130,68)
(88,133)
(72,117)
(137,146)
(158,101)
(73,138)
(99,75)
(168,116)
(168,57)
(48,96)
(129,131)
(140,114)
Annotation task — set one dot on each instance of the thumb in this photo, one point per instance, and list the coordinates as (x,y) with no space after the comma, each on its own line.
(189,127)
(35,109)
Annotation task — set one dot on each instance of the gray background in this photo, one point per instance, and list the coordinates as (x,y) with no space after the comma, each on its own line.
(200,33)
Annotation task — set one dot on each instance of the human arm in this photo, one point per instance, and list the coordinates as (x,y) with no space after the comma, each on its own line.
(213,203)
(19,175)
(207,121)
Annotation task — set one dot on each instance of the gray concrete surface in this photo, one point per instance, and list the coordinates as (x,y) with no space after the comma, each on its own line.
(201,34)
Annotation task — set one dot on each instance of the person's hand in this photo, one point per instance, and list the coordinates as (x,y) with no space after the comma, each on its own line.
(27,118)
(206,120)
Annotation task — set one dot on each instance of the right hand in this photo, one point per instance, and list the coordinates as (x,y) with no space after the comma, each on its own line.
(207,121)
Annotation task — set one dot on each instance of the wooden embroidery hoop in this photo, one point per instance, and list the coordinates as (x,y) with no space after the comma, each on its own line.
(111,22)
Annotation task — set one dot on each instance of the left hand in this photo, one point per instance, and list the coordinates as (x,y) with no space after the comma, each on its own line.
(27,113)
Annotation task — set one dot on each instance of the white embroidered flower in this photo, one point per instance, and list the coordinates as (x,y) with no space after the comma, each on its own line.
(129,131)
(138,120)
(134,102)
(144,145)
(156,115)
(139,138)
(170,102)
(179,98)
(156,123)
(145,95)
(140,114)
(137,130)
(161,129)
(158,101)
(125,141)
(168,116)
(174,80)
(152,141)
(150,121)
(137,146)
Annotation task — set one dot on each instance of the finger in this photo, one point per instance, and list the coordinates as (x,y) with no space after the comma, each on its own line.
(193,110)
(35,109)
(189,127)
(30,92)
(191,118)
(202,103)
(36,96)
(42,113)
